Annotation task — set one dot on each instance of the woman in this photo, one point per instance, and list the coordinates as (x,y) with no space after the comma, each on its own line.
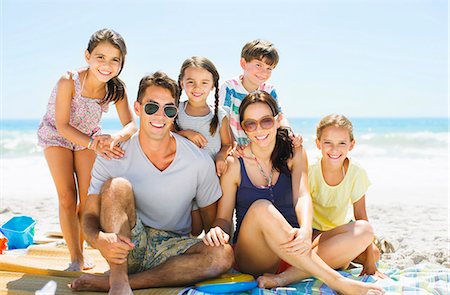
(269,189)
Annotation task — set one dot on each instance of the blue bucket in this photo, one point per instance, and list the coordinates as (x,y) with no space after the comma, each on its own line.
(20,231)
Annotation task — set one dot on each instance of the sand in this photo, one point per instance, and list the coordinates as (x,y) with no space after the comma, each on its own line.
(408,203)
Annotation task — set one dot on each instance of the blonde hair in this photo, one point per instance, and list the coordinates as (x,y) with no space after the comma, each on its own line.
(334,120)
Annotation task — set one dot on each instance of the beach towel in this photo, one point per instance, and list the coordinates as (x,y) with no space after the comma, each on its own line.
(26,273)
(421,280)
(13,283)
(50,259)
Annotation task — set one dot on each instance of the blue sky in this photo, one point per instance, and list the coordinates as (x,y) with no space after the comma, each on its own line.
(361,58)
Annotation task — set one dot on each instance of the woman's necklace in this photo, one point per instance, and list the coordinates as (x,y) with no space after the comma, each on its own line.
(267,178)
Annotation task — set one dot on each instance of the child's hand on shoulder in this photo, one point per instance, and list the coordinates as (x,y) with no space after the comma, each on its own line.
(237,150)
(197,138)
(297,139)
(107,146)
(221,165)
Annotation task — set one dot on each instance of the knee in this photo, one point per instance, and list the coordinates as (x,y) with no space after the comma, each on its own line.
(116,189)
(68,200)
(261,209)
(364,231)
(222,259)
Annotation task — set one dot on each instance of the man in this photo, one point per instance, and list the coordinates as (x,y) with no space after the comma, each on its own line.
(138,210)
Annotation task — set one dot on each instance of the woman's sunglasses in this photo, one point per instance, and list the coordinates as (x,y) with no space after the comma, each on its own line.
(250,125)
(152,107)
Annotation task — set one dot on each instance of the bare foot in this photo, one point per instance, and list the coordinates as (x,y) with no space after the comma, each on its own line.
(269,281)
(120,289)
(74,266)
(84,264)
(89,282)
(88,262)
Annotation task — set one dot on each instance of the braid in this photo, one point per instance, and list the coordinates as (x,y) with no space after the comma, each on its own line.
(215,120)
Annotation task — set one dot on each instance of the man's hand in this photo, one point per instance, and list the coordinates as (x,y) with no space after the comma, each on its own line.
(114,247)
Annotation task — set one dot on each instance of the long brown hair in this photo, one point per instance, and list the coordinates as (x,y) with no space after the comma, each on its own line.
(115,88)
(283,150)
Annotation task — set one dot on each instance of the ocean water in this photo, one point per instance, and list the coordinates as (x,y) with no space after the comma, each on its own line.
(386,137)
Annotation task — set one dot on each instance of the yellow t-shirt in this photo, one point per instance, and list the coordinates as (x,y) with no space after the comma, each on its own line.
(331,203)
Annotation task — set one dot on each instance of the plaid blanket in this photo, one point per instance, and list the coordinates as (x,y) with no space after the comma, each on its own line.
(421,280)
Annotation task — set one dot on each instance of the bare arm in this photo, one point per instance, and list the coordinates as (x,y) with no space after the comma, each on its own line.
(126,119)
(226,145)
(300,188)
(221,228)
(107,145)
(300,238)
(208,214)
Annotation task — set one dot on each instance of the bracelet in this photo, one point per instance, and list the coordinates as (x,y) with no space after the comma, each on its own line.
(91,140)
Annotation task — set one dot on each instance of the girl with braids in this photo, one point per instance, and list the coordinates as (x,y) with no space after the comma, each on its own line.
(268,187)
(204,125)
(71,136)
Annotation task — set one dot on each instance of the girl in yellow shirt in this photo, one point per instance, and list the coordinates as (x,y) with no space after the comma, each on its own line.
(335,182)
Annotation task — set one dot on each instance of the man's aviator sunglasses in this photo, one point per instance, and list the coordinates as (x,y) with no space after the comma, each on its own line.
(265,122)
(152,107)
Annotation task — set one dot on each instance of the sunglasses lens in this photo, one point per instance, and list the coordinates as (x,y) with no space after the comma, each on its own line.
(170,111)
(249,125)
(151,108)
(266,123)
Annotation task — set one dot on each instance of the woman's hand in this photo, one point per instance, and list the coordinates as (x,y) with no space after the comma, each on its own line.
(299,242)
(216,237)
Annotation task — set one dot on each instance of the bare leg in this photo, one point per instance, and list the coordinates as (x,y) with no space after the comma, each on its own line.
(198,263)
(61,164)
(84,160)
(197,223)
(337,247)
(263,230)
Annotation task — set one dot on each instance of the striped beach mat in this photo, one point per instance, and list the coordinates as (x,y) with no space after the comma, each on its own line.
(424,279)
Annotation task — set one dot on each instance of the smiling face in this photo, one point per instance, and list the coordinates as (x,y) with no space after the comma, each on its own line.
(261,136)
(335,143)
(256,72)
(104,61)
(156,126)
(197,83)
